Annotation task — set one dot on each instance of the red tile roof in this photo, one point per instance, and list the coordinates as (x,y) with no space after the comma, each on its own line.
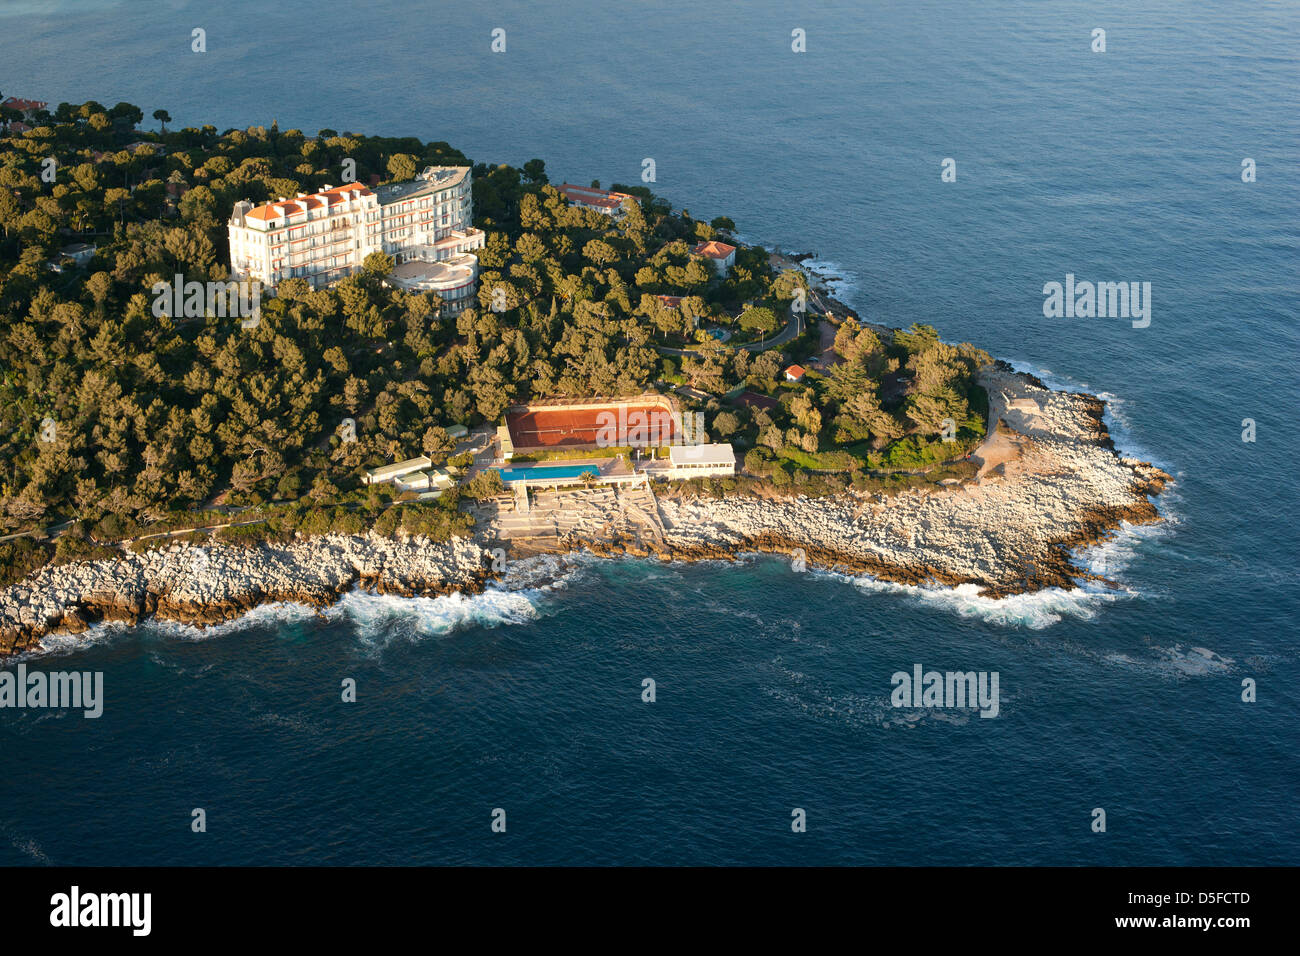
(13,102)
(591,196)
(796,371)
(326,197)
(672,301)
(713,249)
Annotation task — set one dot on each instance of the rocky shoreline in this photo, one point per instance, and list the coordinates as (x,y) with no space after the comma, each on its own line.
(1058,486)
(1050,483)
(209,585)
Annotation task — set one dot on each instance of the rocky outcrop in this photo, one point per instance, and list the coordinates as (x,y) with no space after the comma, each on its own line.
(1059,486)
(209,585)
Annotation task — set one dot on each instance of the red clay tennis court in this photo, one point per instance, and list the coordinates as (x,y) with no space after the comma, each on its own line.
(574,427)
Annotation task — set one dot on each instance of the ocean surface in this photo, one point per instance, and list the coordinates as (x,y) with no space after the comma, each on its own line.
(772,686)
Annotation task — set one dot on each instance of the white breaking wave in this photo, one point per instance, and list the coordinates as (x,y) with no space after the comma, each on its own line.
(545,572)
(841,283)
(838,281)
(513,601)
(61,645)
(1037,610)
(380,617)
(277,613)
(30,849)
(1114,555)
(104,632)
(1176,663)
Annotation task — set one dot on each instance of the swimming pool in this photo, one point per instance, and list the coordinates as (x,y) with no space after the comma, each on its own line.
(539,473)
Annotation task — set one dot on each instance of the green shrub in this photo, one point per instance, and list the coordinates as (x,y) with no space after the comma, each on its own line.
(243,535)
(70,548)
(486,484)
(21,557)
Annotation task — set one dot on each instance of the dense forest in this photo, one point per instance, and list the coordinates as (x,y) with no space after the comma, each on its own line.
(113,419)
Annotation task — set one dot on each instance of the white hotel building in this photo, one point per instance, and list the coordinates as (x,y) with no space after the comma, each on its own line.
(424,224)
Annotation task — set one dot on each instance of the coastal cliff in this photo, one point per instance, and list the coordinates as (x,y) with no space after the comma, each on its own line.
(1049,482)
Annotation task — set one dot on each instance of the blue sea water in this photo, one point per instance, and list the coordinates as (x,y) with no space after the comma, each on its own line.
(773,687)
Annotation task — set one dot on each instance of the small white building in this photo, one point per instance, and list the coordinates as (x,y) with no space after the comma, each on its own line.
(79,252)
(416,482)
(698,461)
(395,471)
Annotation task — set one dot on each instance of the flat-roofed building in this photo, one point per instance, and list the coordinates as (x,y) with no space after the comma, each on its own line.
(393,472)
(698,461)
(417,481)
(80,254)
(435,480)
(454,280)
(429,218)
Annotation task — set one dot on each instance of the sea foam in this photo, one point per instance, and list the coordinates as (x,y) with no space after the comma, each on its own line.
(1036,610)
(381,617)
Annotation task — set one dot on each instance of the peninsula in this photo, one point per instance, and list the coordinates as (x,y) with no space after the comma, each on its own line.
(447,366)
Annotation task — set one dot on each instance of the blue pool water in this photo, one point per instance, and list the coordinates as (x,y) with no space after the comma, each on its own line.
(546,472)
(772,687)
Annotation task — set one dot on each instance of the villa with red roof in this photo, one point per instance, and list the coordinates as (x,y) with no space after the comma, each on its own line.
(675,302)
(27,107)
(599,200)
(720,254)
(424,224)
